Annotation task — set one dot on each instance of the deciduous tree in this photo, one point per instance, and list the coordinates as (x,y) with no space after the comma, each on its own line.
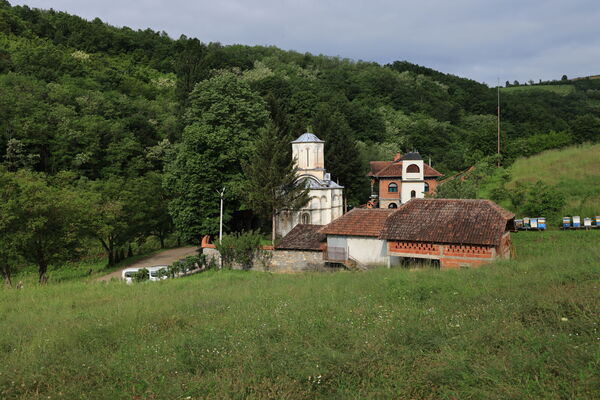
(222,121)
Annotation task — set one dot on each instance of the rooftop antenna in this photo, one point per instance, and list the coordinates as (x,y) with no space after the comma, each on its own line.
(498,87)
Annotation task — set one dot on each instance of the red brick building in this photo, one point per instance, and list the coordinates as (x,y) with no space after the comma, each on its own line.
(454,232)
(395,182)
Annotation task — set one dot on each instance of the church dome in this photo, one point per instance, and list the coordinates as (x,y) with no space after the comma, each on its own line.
(308,138)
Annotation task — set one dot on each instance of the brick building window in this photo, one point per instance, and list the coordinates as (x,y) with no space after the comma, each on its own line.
(392,188)
(413,194)
(392,205)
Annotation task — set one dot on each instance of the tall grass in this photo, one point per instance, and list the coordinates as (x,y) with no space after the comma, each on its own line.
(562,90)
(575,171)
(526,328)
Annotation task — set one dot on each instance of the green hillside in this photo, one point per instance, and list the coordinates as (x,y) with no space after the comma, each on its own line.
(574,171)
(142,130)
(521,329)
(562,90)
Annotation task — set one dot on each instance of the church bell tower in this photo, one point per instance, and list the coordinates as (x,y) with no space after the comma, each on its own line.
(308,153)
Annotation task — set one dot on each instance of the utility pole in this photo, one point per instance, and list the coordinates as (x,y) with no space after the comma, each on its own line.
(221,194)
(498,121)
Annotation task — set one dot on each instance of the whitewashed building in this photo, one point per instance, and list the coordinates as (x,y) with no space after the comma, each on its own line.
(355,237)
(326,196)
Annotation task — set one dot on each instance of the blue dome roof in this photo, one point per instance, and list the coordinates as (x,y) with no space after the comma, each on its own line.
(308,138)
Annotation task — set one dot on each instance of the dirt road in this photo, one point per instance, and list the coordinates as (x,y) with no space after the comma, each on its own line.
(166,257)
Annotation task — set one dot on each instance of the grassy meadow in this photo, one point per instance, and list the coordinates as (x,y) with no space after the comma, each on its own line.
(562,90)
(522,329)
(575,170)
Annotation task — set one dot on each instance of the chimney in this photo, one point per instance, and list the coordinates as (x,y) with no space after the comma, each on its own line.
(397,156)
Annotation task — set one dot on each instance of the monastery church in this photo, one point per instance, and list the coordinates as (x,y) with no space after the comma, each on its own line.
(326,196)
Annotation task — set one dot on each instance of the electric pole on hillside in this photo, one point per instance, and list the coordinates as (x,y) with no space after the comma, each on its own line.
(221,194)
(498,86)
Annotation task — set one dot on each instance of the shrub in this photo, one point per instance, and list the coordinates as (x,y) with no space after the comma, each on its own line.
(212,263)
(141,275)
(239,248)
(544,200)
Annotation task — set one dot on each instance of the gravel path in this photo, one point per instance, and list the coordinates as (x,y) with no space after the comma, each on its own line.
(166,257)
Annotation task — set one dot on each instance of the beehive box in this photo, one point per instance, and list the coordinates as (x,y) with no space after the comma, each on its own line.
(576,221)
(541,223)
(566,222)
(519,223)
(533,223)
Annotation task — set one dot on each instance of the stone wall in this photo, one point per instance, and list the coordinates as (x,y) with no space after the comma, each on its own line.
(280,260)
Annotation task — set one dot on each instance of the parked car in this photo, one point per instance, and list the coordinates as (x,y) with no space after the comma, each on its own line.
(128,274)
(158,272)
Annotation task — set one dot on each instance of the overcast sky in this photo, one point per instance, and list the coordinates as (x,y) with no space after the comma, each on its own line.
(479,39)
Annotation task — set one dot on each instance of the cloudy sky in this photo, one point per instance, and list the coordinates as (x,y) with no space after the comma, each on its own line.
(479,39)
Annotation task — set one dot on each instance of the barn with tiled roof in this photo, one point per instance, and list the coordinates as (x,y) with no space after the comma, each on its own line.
(451,232)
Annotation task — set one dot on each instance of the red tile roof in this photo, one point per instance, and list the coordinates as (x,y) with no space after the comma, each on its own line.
(302,237)
(359,222)
(393,169)
(456,221)
(377,166)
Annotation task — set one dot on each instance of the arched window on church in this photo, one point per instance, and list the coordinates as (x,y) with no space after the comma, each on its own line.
(392,205)
(392,188)
(413,168)
(307,159)
(306,218)
(413,194)
(426,187)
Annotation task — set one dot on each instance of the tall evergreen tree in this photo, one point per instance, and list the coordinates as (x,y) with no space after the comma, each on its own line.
(342,158)
(271,177)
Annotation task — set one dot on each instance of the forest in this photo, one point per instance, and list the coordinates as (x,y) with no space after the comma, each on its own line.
(115,135)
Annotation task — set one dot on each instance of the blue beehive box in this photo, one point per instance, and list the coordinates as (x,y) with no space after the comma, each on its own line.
(541,223)
(597,221)
(533,222)
(576,221)
(566,222)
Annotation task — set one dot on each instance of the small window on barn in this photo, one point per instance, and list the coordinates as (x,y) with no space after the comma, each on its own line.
(426,187)
(413,168)
(413,194)
(306,218)
(392,205)
(392,187)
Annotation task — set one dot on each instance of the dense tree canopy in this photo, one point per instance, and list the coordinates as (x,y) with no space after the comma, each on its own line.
(223,119)
(123,110)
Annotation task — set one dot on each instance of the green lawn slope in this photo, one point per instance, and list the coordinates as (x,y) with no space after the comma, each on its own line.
(575,171)
(527,328)
(562,90)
